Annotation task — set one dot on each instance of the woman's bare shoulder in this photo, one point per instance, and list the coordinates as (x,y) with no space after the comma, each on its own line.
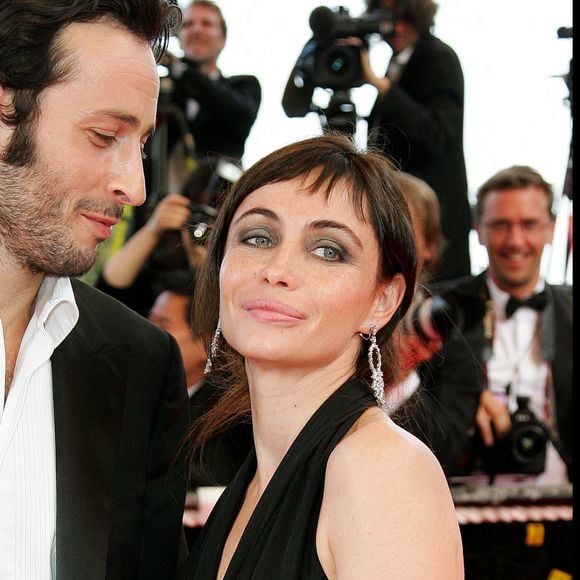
(377,443)
(387,504)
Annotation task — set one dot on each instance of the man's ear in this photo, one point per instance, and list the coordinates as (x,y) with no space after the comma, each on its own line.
(480,235)
(388,299)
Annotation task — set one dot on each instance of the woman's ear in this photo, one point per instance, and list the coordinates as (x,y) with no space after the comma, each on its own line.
(388,299)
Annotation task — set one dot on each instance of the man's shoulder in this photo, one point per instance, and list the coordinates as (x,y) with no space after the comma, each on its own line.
(561,289)
(109,314)
(465,284)
(431,48)
(432,42)
(562,295)
(244,81)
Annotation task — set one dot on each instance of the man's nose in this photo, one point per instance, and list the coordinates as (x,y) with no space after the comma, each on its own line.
(128,179)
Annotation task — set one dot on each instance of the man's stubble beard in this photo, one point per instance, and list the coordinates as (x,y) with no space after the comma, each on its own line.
(33,228)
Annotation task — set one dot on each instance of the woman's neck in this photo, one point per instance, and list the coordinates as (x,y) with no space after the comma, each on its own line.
(282,403)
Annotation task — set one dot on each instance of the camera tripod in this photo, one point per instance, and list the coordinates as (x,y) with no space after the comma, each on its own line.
(340,114)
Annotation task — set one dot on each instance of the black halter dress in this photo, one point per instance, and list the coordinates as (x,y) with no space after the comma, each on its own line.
(279,541)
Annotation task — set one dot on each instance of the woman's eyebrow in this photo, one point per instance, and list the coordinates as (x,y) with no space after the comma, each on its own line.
(257,211)
(324,224)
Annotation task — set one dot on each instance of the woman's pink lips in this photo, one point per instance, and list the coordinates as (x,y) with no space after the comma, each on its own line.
(272,311)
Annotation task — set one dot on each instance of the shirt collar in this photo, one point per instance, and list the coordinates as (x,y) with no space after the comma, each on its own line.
(56,311)
(403,57)
(500,297)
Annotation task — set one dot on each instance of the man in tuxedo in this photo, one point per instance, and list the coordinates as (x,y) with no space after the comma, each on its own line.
(514,341)
(95,403)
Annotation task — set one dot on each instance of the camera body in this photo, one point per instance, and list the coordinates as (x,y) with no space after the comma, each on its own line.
(434,317)
(202,217)
(522,450)
(326,61)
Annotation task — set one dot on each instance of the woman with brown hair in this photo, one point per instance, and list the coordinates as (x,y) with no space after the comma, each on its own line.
(311,265)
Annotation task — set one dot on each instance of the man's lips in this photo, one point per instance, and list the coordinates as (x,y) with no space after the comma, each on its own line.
(272,311)
(514,257)
(102,224)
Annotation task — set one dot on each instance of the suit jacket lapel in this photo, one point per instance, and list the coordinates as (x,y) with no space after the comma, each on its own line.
(89,382)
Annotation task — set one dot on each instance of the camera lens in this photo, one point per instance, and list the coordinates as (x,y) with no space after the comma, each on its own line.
(201,218)
(434,318)
(337,67)
(337,63)
(528,442)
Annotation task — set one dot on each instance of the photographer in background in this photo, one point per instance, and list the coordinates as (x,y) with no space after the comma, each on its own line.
(171,240)
(417,119)
(414,347)
(219,111)
(504,351)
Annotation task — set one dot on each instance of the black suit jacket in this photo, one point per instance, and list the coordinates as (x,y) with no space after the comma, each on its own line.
(419,123)
(453,380)
(228,107)
(120,410)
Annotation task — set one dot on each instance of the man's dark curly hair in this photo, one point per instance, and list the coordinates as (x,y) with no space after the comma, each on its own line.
(419,13)
(32,58)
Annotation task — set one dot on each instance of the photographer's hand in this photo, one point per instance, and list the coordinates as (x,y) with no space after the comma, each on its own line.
(414,350)
(492,417)
(123,267)
(382,84)
(171,213)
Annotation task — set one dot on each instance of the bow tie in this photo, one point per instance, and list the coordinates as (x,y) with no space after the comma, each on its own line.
(535,301)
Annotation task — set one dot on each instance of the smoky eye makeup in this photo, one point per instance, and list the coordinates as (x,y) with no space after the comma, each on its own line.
(257,236)
(329,250)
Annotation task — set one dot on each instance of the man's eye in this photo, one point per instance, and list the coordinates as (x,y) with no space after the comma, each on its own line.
(104,138)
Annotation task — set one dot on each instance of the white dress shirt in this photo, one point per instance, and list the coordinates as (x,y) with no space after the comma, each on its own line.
(517,361)
(27,446)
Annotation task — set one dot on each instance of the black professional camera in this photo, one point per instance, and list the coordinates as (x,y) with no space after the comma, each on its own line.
(326,61)
(522,450)
(434,317)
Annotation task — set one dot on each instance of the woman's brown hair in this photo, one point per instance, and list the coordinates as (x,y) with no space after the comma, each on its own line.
(320,163)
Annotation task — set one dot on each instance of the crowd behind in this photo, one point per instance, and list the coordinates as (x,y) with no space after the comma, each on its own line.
(424,397)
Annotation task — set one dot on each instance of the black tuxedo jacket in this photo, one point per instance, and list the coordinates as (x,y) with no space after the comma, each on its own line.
(120,411)
(453,380)
(419,123)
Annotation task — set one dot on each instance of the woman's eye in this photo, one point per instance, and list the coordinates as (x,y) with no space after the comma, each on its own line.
(258,239)
(329,253)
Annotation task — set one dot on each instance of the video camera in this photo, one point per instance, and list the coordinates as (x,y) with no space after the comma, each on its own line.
(327,61)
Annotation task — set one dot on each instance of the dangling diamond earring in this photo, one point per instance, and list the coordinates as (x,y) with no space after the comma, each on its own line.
(375,364)
(213,349)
